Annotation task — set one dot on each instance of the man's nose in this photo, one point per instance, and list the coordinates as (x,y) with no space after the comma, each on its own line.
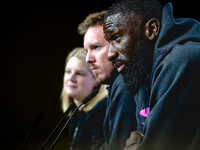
(89,57)
(112,54)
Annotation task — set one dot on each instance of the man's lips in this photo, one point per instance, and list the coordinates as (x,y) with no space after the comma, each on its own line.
(120,66)
(94,69)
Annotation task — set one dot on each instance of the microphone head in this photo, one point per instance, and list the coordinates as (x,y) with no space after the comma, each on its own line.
(92,95)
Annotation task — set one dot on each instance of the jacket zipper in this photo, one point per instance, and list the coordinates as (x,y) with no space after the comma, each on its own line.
(74,137)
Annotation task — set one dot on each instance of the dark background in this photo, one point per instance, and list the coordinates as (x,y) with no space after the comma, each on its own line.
(34,40)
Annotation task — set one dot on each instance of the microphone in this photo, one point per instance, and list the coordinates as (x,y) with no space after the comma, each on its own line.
(92,95)
(85,101)
(36,122)
(71,107)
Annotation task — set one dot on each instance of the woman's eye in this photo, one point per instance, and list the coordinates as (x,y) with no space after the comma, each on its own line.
(80,74)
(67,71)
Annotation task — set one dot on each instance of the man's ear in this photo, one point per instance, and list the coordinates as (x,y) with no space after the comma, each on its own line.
(152,28)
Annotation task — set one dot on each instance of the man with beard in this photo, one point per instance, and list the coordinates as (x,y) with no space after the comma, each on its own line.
(120,117)
(159,58)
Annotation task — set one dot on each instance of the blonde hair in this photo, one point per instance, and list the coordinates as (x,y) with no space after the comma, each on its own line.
(66,100)
(91,20)
(80,53)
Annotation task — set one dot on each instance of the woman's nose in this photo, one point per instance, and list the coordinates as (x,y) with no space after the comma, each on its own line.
(72,77)
(112,54)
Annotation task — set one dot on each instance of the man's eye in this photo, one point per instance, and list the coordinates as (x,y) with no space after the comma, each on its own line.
(116,37)
(96,47)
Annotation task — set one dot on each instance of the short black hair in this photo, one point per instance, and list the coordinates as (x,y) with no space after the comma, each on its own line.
(145,9)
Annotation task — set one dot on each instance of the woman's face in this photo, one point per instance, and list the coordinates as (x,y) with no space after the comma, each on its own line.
(78,80)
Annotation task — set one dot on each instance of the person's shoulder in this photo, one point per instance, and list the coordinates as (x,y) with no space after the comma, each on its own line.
(182,59)
(98,111)
(189,47)
(184,54)
(100,105)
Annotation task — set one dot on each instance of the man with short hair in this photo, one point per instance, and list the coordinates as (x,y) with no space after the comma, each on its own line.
(120,117)
(159,59)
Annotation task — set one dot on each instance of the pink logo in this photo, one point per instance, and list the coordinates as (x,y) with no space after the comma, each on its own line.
(145,112)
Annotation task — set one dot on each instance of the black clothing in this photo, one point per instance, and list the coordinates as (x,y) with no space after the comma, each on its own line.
(169,105)
(86,130)
(120,118)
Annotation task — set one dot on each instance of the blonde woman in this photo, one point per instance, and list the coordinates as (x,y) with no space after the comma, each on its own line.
(86,127)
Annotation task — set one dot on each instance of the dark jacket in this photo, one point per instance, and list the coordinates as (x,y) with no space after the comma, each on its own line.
(168,102)
(120,118)
(86,130)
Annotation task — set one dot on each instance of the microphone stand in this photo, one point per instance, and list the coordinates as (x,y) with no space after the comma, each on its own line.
(71,107)
(64,126)
(86,100)
(36,122)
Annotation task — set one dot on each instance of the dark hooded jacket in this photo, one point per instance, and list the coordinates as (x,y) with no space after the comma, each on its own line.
(120,118)
(168,110)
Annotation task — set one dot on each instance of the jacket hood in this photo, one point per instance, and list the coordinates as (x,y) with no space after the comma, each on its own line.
(173,31)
